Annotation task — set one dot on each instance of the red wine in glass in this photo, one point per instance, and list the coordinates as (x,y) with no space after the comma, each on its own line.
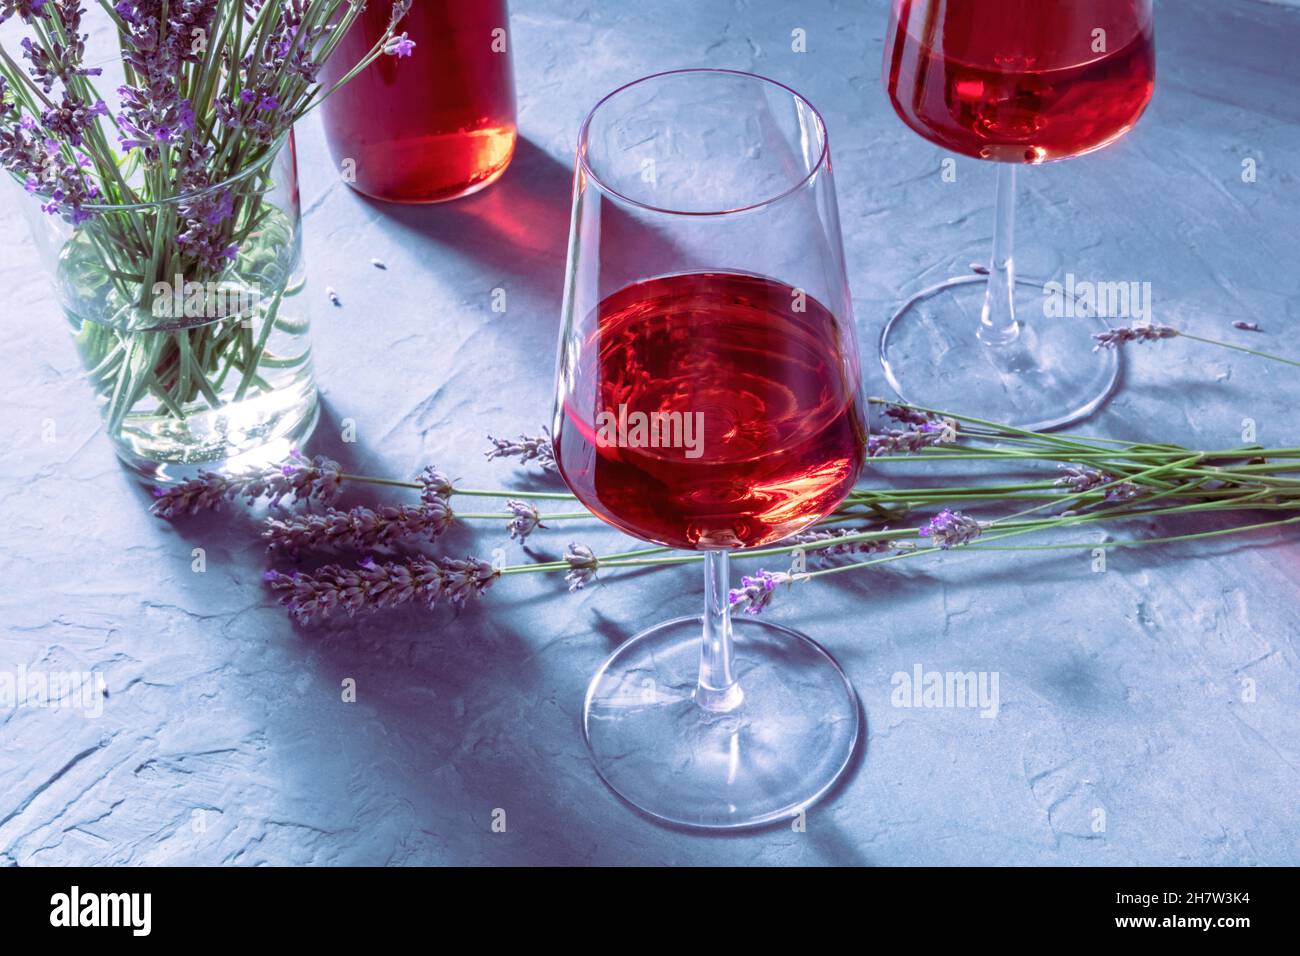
(730,406)
(708,398)
(433,126)
(1021,80)
(1014,82)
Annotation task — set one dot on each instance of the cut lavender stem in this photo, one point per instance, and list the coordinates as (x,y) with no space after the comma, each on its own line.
(526,448)
(361,528)
(1113,338)
(315,479)
(526,520)
(755,593)
(951,529)
(371,586)
(582,566)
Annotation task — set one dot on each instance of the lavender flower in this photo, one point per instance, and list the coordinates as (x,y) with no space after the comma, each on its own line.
(925,430)
(582,566)
(1124,491)
(908,415)
(399,46)
(57,59)
(437,486)
(361,528)
(755,593)
(29,150)
(25,9)
(1113,338)
(1080,478)
(526,449)
(525,520)
(371,586)
(316,479)
(818,535)
(951,529)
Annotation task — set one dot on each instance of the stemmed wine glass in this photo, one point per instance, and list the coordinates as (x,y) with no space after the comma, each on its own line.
(709,399)
(1011,81)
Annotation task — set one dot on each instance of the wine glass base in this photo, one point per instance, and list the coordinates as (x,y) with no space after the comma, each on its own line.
(1048,378)
(776,752)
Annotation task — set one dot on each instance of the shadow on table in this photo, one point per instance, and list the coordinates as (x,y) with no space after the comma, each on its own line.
(520,226)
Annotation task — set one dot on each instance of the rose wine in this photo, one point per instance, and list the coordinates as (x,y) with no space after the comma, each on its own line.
(431,126)
(1020,80)
(711,410)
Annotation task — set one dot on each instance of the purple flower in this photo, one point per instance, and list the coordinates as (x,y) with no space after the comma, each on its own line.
(526,449)
(951,529)
(924,431)
(399,46)
(361,529)
(1080,478)
(582,566)
(817,536)
(525,520)
(755,593)
(437,486)
(1124,491)
(373,586)
(1113,338)
(26,9)
(315,479)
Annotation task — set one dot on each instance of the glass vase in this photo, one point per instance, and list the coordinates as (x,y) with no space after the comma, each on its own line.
(189,319)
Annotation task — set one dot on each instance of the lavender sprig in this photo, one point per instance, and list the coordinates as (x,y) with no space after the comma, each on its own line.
(1145,332)
(819,535)
(436,486)
(1081,479)
(525,521)
(527,448)
(925,430)
(951,529)
(582,566)
(755,593)
(360,528)
(371,586)
(316,479)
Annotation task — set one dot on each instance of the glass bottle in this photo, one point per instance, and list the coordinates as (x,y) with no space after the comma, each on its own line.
(435,125)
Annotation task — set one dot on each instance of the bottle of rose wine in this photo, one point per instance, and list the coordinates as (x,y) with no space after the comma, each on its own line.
(435,125)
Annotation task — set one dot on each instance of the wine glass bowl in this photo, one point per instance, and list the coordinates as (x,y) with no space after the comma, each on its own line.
(1016,82)
(748,412)
(1021,81)
(709,399)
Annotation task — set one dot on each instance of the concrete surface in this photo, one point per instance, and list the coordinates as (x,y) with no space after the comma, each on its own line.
(1127,732)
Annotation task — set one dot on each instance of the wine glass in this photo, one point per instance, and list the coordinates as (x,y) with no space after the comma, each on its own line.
(1011,81)
(709,399)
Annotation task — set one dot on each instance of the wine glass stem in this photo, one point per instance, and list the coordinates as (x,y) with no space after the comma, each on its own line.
(717,689)
(998,324)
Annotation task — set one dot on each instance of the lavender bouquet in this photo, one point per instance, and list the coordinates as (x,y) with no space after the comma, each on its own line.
(168,208)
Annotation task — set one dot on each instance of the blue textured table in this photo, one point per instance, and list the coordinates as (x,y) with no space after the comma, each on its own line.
(1147,714)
